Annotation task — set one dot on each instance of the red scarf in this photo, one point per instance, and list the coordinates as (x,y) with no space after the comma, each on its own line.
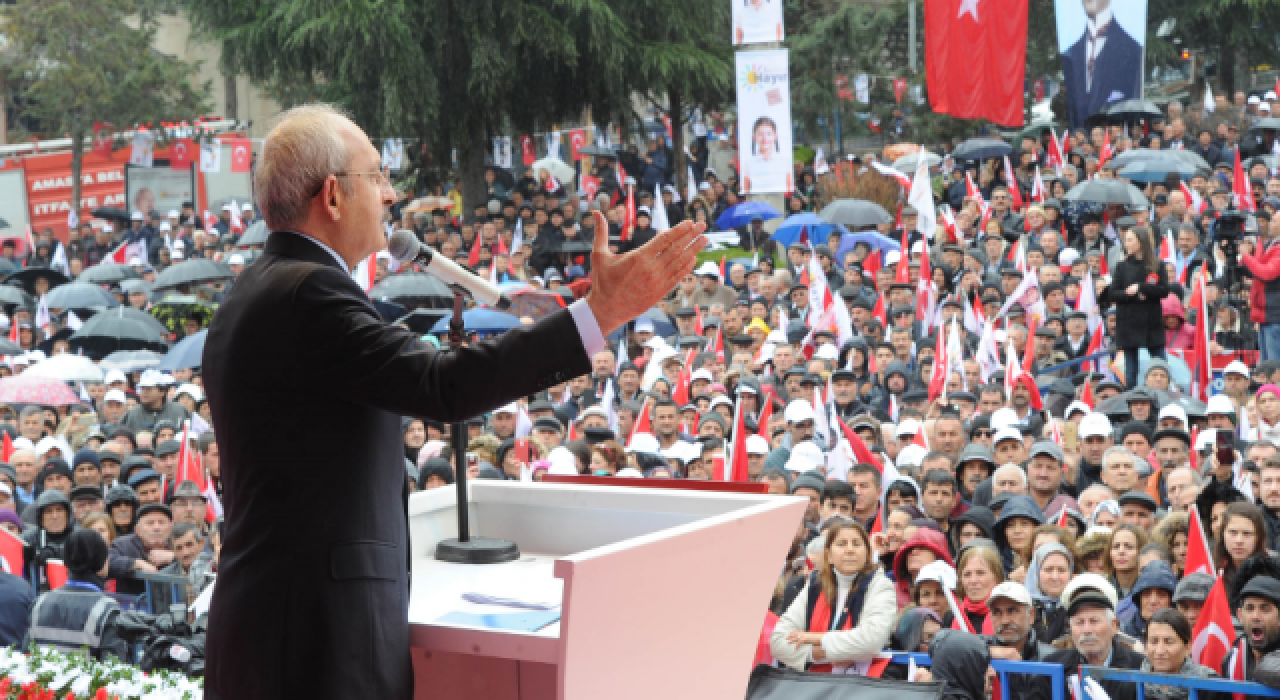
(969,607)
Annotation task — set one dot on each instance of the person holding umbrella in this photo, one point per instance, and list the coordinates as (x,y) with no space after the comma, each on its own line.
(1136,288)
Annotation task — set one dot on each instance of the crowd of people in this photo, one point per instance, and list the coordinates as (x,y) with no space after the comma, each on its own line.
(1034,502)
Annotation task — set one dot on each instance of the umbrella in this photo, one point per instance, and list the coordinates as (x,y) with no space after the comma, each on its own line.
(67,368)
(43,391)
(662,324)
(388,309)
(1265,123)
(1136,154)
(556,167)
(196,271)
(131,360)
(27,278)
(172,310)
(1155,170)
(187,353)
(875,239)
(420,321)
(13,295)
(1270,160)
(110,213)
(414,286)
(107,273)
(428,204)
(255,235)
(908,163)
(120,328)
(534,304)
(981,149)
(8,347)
(855,213)
(598,151)
(742,214)
(1131,110)
(811,225)
(80,295)
(483,321)
(1107,191)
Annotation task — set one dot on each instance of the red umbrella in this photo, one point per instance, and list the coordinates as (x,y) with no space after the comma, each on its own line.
(44,391)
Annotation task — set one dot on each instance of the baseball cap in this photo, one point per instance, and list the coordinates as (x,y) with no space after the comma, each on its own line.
(1088,588)
(114,395)
(1013,591)
(1007,433)
(1095,425)
(908,427)
(703,373)
(798,411)
(939,571)
(757,445)
(1173,410)
(644,325)
(1220,405)
(1048,449)
(1236,367)
(911,455)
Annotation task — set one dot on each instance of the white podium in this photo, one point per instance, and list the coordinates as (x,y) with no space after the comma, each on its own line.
(664,591)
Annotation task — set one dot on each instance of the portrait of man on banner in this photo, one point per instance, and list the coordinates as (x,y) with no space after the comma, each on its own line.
(1102,46)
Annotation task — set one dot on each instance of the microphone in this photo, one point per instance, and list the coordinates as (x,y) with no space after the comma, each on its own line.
(406,248)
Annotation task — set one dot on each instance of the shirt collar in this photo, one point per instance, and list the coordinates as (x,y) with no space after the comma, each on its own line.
(331,251)
(1101,20)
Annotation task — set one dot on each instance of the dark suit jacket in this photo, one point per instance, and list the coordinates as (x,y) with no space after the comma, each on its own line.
(308,387)
(1122,657)
(1118,69)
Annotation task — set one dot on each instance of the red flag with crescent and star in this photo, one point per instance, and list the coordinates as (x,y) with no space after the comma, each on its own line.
(975,58)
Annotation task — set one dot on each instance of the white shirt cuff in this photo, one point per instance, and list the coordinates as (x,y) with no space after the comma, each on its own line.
(588,327)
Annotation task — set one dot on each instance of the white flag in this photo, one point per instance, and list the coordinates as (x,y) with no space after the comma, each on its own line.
(144,147)
(210,158)
(690,186)
(820,163)
(659,220)
(1208,97)
(921,198)
(393,154)
(73,321)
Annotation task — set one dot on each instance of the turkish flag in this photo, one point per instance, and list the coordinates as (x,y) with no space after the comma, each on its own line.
(590,185)
(11,548)
(975,57)
(56,572)
(1199,556)
(527,151)
(738,466)
(577,141)
(644,422)
(241,155)
(189,467)
(766,412)
(182,154)
(1214,632)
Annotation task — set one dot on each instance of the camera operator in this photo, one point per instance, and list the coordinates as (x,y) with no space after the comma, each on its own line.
(1264,298)
(79,615)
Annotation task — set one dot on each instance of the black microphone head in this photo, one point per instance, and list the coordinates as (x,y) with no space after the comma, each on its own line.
(403,245)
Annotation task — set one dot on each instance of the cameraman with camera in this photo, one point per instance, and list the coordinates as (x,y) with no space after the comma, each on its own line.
(1264,297)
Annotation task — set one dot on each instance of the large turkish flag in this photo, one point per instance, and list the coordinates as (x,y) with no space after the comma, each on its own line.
(975,56)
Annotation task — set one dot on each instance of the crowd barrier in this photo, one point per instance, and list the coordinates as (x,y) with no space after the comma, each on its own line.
(1192,684)
(1003,668)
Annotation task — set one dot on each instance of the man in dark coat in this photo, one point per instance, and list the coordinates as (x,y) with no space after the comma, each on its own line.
(1091,603)
(1103,66)
(302,373)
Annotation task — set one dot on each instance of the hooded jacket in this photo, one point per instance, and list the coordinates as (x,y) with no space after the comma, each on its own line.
(1019,506)
(927,538)
(896,367)
(1154,576)
(977,515)
(42,544)
(960,660)
(1184,336)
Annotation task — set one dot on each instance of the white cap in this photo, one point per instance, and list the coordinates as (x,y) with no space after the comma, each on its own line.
(1003,418)
(1264,107)
(173,214)
(708,269)
(721,400)
(164,226)
(940,571)
(911,455)
(512,408)
(798,465)
(917,247)
(1095,425)
(826,351)
(704,186)
(135,261)
(704,374)
(136,216)
(190,390)
(4,488)
(246,207)
(810,453)
(1236,367)
(1253,100)
(1080,406)
(910,426)
(114,395)
(177,254)
(1085,581)
(179,245)
(892,257)
(1173,410)
(798,411)
(1007,433)
(1220,405)
(150,378)
(227,207)
(1068,256)
(235,259)
(645,443)
(1206,438)
(644,325)
(629,473)
(114,376)
(562,462)
(1270,95)
(1013,591)
(757,445)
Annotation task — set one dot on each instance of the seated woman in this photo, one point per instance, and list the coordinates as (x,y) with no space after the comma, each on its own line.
(931,582)
(844,615)
(1168,650)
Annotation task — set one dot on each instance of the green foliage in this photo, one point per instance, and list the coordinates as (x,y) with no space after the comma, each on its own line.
(77,62)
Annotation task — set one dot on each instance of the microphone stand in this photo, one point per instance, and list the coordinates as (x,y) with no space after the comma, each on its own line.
(466,549)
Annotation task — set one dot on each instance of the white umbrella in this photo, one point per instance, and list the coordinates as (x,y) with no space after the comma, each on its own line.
(68,368)
(907,163)
(557,168)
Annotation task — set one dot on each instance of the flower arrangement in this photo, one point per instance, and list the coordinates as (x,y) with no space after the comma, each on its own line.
(47,674)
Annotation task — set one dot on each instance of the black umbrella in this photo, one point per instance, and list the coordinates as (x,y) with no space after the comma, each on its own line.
(110,213)
(855,213)
(388,309)
(27,278)
(80,295)
(255,235)
(421,320)
(598,151)
(1131,110)
(1108,191)
(196,271)
(413,287)
(1136,154)
(981,149)
(107,273)
(114,330)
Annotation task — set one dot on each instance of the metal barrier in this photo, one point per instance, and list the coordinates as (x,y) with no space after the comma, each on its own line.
(1193,684)
(1057,679)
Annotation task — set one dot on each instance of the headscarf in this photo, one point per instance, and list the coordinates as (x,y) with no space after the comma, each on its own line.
(429,449)
(1110,506)
(911,628)
(1033,571)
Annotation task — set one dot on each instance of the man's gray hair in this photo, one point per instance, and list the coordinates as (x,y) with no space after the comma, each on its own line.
(301,151)
(1071,168)
(1118,451)
(1010,468)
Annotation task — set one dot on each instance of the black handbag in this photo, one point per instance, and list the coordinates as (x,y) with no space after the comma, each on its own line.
(770,683)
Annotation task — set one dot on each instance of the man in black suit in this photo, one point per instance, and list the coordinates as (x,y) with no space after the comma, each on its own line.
(1103,66)
(303,377)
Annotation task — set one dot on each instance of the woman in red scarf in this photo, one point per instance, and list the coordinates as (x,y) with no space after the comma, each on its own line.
(817,635)
(980,571)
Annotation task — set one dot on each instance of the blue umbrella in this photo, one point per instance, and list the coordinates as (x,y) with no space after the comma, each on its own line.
(788,231)
(875,239)
(483,321)
(742,214)
(187,353)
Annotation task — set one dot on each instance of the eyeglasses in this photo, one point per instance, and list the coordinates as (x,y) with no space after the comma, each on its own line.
(982,433)
(380,178)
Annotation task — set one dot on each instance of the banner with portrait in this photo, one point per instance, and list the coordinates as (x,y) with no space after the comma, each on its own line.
(1102,46)
(757,21)
(764,122)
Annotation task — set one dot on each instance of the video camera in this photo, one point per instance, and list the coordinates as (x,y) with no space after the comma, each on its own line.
(1230,226)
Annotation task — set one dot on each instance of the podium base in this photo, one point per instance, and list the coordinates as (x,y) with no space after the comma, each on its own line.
(477,550)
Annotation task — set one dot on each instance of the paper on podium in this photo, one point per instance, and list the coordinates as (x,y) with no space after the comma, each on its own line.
(531,621)
(545,594)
